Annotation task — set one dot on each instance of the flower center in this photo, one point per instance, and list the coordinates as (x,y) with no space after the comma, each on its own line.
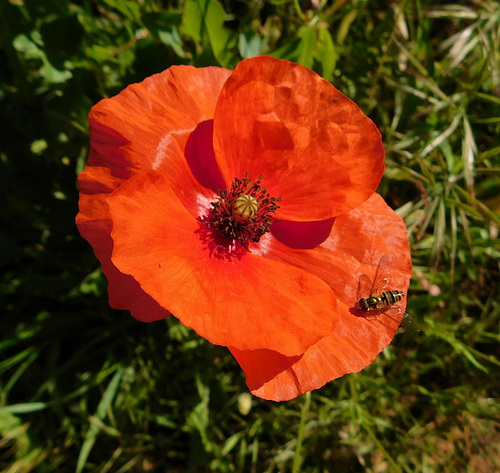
(242,212)
(245,207)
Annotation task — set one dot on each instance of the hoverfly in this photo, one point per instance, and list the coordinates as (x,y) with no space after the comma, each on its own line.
(378,300)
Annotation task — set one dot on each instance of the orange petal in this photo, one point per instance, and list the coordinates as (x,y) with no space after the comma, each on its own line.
(357,242)
(235,298)
(131,129)
(145,126)
(95,225)
(315,147)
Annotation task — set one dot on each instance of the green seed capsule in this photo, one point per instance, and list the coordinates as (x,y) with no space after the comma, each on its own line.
(245,207)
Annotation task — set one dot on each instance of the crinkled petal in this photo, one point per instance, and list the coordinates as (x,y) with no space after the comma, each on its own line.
(131,130)
(146,126)
(315,147)
(357,242)
(236,299)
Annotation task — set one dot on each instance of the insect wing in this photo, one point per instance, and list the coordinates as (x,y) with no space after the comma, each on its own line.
(364,285)
(409,324)
(381,277)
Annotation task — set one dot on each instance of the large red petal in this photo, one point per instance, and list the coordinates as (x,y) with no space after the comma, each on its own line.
(315,147)
(146,126)
(95,225)
(131,130)
(237,299)
(357,242)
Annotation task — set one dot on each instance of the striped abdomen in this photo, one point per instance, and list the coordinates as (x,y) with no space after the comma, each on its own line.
(381,301)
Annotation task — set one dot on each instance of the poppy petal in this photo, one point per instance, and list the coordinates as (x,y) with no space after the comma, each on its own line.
(94,224)
(141,119)
(315,147)
(238,299)
(356,339)
(147,125)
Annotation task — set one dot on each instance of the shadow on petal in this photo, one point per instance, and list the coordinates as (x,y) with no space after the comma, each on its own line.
(201,158)
(107,150)
(302,235)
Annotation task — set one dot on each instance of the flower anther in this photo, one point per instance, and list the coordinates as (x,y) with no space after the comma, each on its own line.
(243,212)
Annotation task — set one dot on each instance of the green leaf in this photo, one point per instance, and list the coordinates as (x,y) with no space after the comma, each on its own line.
(230,443)
(306,47)
(27,47)
(287,50)
(345,25)
(324,52)
(203,20)
(53,75)
(129,9)
(11,428)
(102,410)
(24,408)
(251,44)
(100,53)
(198,418)
(164,27)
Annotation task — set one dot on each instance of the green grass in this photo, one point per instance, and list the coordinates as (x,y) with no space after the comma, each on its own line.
(84,388)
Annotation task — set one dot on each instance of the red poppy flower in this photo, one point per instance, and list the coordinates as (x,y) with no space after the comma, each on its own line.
(243,203)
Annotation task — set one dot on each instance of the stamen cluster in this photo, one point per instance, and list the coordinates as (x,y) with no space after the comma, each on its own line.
(225,214)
